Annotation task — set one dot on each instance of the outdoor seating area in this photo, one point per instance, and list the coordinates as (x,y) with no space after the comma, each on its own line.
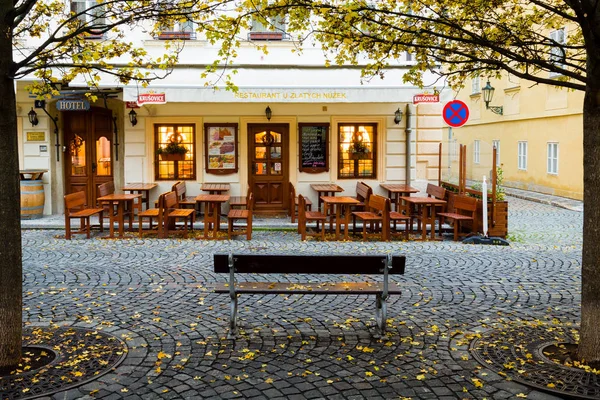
(367,214)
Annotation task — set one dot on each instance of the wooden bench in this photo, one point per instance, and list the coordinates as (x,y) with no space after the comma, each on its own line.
(241,215)
(75,207)
(385,265)
(363,192)
(304,217)
(240,202)
(171,213)
(294,203)
(378,213)
(464,210)
(439,193)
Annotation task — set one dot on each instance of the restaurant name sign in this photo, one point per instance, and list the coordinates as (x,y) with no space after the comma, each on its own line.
(289,95)
(72,105)
(151,98)
(426,98)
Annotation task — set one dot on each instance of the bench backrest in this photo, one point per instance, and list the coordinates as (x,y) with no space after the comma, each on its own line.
(363,191)
(170,201)
(436,191)
(75,200)
(379,204)
(106,189)
(179,188)
(309,264)
(292,198)
(301,210)
(465,205)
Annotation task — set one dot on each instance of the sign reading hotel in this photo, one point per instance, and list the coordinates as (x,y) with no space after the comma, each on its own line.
(426,98)
(72,105)
(151,98)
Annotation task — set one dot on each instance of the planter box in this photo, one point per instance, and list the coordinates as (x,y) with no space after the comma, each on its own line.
(499,229)
(360,156)
(172,157)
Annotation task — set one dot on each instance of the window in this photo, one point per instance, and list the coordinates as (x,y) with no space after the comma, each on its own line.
(553,158)
(271,28)
(522,156)
(179,28)
(496,144)
(475,85)
(357,150)
(91,14)
(476,152)
(175,166)
(557,53)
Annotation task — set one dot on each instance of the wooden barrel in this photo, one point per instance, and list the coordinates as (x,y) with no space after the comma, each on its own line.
(32,199)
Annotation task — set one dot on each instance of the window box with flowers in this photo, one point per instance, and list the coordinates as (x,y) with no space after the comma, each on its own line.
(359,151)
(172,152)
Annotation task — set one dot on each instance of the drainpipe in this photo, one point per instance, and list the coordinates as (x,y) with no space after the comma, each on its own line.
(408,132)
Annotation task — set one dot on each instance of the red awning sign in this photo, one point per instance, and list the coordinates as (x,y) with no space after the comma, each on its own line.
(151,98)
(426,98)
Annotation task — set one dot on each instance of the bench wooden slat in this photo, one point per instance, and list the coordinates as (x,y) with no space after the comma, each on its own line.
(346,288)
(307,264)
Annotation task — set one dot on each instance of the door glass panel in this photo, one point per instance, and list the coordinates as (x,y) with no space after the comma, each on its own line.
(276,168)
(78,156)
(275,152)
(260,152)
(103,157)
(260,168)
(258,137)
(276,137)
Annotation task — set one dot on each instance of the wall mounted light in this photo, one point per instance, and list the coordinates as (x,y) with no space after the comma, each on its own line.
(488,95)
(33,119)
(133,117)
(398,116)
(268,113)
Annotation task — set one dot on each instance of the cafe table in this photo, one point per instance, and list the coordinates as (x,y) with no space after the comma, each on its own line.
(215,188)
(335,206)
(324,189)
(212,214)
(143,189)
(124,203)
(423,209)
(396,191)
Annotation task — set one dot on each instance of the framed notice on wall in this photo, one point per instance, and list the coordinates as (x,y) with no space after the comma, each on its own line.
(314,147)
(220,148)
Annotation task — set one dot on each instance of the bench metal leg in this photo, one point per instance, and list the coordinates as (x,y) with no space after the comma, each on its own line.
(381,312)
(233,318)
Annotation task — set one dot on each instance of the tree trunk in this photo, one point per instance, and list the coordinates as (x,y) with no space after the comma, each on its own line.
(589,346)
(10,233)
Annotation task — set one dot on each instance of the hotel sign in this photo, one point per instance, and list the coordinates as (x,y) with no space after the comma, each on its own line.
(72,105)
(426,98)
(151,98)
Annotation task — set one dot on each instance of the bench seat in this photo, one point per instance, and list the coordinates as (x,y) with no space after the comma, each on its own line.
(308,288)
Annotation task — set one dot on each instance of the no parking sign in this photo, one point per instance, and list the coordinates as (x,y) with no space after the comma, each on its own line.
(455,113)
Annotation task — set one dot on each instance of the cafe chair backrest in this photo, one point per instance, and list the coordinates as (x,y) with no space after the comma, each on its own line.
(170,200)
(180,189)
(106,189)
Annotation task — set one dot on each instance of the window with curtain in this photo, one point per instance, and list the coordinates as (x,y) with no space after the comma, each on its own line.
(522,156)
(553,158)
(476,151)
(357,151)
(175,166)
(90,13)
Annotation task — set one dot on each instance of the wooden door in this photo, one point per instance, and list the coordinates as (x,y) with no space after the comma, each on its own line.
(88,159)
(268,172)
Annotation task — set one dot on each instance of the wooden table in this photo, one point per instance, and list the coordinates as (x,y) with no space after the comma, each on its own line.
(335,204)
(423,208)
(215,188)
(143,189)
(395,191)
(324,189)
(212,211)
(124,203)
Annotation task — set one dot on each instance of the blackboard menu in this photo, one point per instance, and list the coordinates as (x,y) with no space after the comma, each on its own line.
(314,148)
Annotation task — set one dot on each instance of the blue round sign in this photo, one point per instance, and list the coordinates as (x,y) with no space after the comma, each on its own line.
(456,113)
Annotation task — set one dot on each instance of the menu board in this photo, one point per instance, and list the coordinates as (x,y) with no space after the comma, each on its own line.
(221,148)
(314,148)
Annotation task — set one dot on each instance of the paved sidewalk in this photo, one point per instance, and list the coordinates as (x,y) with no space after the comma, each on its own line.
(155,296)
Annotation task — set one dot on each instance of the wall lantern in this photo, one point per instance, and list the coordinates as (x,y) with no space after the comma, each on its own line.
(268,113)
(488,95)
(398,116)
(133,117)
(33,119)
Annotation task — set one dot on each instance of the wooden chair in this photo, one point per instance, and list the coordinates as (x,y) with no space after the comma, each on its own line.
(239,201)
(75,207)
(464,210)
(363,192)
(378,214)
(171,213)
(395,217)
(184,201)
(152,214)
(104,190)
(439,193)
(305,217)
(241,215)
(294,203)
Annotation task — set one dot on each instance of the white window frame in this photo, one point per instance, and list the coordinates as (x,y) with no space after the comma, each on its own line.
(476,151)
(476,85)
(557,54)
(552,158)
(522,155)
(496,144)
(88,17)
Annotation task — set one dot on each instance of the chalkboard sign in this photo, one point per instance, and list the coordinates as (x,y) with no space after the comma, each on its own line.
(314,148)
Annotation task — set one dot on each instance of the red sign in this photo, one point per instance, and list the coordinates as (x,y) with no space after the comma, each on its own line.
(131,104)
(151,98)
(455,113)
(426,98)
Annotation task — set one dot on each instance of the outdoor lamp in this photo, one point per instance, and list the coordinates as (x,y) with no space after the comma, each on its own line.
(32,117)
(268,113)
(133,117)
(398,116)
(488,95)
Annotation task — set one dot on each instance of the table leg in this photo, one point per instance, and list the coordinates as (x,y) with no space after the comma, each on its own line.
(111,220)
(121,218)
(130,207)
(206,219)
(347,219)
(337,221)
(217,213)
(423,222)
(432,221)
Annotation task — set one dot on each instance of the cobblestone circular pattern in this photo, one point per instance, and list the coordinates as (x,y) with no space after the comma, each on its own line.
(517,353)
(82,355)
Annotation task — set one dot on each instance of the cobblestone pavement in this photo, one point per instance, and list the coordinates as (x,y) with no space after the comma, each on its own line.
(153,295)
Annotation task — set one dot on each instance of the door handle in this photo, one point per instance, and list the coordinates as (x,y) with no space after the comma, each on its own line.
(94,167)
